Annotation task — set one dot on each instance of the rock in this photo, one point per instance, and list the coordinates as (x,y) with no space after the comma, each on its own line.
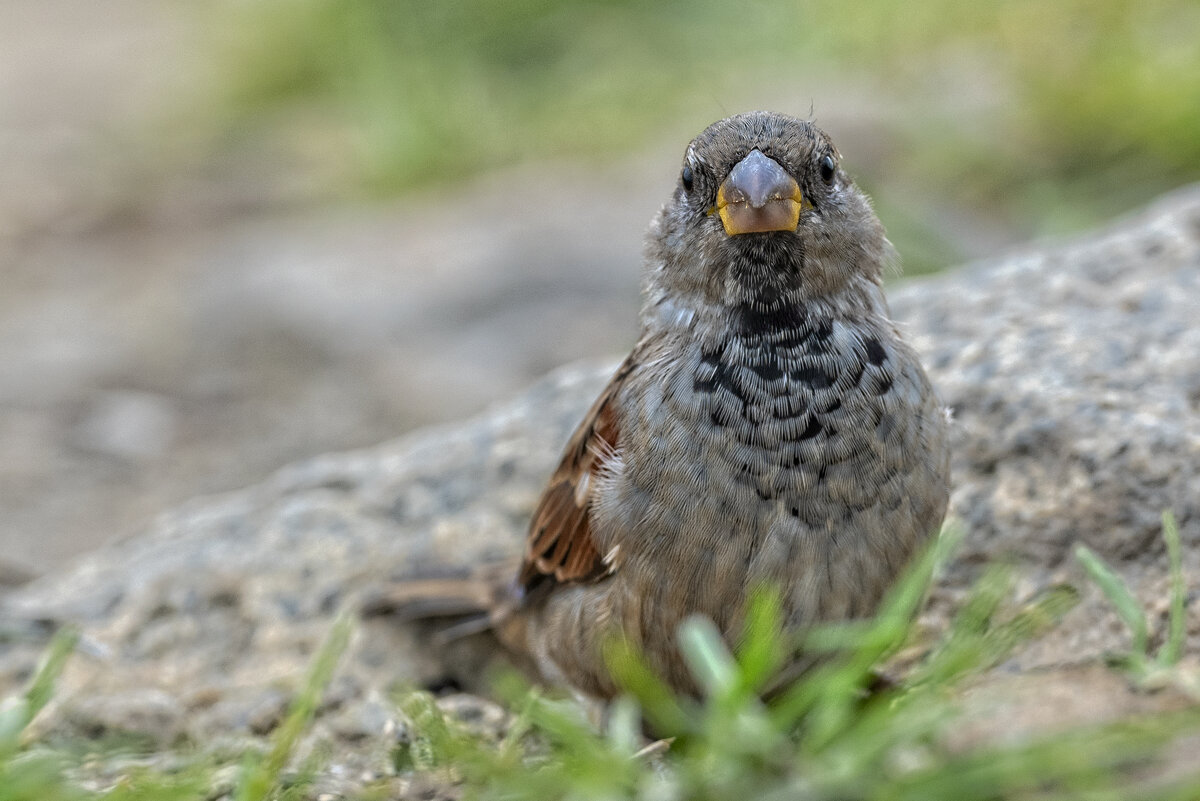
(1073,372)
(1073,375)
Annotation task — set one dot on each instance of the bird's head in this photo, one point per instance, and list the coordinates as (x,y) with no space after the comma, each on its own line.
(762,209)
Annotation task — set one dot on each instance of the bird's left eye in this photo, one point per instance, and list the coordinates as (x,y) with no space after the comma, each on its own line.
(827,169)
(687,177)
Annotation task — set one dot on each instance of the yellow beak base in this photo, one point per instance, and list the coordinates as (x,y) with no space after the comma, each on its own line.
(782,214)
(758,196)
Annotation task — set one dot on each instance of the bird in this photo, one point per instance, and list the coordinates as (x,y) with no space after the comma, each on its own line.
(770,428)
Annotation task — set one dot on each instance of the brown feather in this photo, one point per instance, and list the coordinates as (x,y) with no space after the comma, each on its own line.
(478,590)
(560,544)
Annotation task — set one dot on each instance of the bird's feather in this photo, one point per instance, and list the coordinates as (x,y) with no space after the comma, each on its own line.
(560,545)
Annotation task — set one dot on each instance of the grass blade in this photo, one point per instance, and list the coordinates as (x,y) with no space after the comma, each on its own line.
(262,776)
(1176,629)
(17,713)
(1118,595)
(709,660)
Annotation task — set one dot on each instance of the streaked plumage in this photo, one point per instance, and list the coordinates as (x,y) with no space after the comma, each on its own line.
(770,425)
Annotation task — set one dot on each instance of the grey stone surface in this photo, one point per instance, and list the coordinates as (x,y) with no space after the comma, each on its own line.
(1073,371)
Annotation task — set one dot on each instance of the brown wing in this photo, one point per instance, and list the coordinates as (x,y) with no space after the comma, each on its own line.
(560,544)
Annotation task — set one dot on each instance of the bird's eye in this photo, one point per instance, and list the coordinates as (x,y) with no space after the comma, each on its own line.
(827,169)
(687,177)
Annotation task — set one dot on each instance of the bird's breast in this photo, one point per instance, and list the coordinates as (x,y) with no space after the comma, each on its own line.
(757,456)
(769,416)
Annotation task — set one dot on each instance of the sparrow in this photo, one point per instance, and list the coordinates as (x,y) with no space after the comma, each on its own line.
(771,427)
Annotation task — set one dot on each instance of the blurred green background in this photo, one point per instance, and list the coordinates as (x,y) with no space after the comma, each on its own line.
(1036,117)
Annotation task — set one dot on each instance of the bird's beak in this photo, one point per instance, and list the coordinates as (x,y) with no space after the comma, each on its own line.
(759,196)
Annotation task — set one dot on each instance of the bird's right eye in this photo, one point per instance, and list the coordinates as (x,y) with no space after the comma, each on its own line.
(688,178)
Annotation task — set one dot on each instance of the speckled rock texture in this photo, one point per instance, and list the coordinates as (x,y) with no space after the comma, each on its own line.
(1073,372)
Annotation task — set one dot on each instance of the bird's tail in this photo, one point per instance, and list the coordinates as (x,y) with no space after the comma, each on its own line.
(468,602)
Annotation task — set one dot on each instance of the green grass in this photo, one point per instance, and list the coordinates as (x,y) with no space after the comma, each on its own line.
(1148,669)
(37,771)
(821,736)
